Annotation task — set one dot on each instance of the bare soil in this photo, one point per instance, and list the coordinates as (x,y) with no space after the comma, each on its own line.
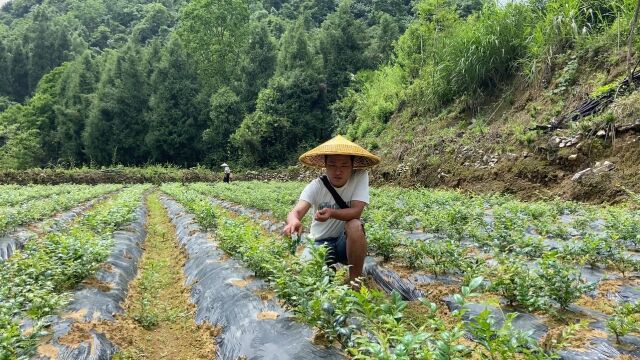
(157,295)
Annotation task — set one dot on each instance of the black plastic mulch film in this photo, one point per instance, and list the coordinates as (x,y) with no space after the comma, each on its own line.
(225,294)
(90,304)
(389,280)
(15,240)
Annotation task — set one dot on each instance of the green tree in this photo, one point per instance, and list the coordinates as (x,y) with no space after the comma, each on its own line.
(262,138)
(77,86)
(385,33)
(90,13)
(343,41)
(5,103)
(122,14)
(466,7)
(18,72)
(213,31)
(314,11)
(318,10)
(49,44)
(225,116)
(257,64)
(28,129)
(175,116)
(156,22)
(116,127)
(291,112)
(20,8)
(369,11)
(152,55)
(41,111)
(100,37)
(21,149)
(5,79)
(294,49)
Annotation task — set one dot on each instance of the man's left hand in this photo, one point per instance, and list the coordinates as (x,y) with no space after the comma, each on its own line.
(323,215)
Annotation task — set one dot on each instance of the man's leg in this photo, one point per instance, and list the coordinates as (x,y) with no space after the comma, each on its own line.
(356,247)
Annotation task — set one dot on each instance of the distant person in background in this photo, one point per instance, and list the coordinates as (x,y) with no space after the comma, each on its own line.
(338,199)
(227,173)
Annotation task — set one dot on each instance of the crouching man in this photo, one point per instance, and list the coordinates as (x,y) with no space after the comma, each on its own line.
(337,200)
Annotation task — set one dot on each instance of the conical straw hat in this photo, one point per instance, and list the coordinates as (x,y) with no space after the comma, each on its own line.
(339,146)
(224,164)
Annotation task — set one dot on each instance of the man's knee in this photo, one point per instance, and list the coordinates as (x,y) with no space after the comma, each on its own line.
(354,228)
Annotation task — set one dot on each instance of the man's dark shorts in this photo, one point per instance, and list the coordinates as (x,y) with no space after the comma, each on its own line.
(337,252)
(337,249)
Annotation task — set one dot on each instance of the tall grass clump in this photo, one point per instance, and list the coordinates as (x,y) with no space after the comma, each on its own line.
(461,57)
(562,25)
(444,57)
(369,107)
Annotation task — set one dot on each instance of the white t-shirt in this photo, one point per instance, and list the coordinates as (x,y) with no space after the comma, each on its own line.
(316,194)
(227,170)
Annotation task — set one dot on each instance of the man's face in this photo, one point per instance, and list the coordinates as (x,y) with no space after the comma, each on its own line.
(339,169)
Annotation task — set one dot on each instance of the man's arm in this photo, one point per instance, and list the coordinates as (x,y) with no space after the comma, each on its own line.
(294,219)
(353,212)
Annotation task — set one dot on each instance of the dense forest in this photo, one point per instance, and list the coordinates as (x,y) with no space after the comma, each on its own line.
(136,82)
(102,82)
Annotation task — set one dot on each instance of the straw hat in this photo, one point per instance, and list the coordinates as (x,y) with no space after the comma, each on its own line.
(224,164)
(339,146)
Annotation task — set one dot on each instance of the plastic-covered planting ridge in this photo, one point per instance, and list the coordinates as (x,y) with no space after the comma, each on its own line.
(91,304)
(224,292)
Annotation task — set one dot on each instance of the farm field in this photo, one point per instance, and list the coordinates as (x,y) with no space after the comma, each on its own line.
(95,271)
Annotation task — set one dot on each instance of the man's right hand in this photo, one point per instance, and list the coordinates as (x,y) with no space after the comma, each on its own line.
(293,227)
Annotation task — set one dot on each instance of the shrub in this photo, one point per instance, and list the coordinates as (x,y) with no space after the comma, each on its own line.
(625,320)
(518,284)
(562,282)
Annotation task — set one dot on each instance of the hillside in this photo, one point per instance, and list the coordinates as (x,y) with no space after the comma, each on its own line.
(452,93)
(475,115)
(503,146)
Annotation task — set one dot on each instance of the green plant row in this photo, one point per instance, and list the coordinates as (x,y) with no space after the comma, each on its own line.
(499,224)
(367,323)
(36,281)
(38,209)
(449,212)
(155,174)
(556,280)
(277,197)
(626,320)
(11,195)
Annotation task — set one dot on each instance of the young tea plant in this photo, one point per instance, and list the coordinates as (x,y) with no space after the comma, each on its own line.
(382,241)
(593,250)
(625,264)
(442,256)
(626,320)
(413,253)
(502,341)
(562,282)
(513,280)
(496,340)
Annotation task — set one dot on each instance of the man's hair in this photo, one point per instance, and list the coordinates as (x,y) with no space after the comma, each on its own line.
(353,157)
